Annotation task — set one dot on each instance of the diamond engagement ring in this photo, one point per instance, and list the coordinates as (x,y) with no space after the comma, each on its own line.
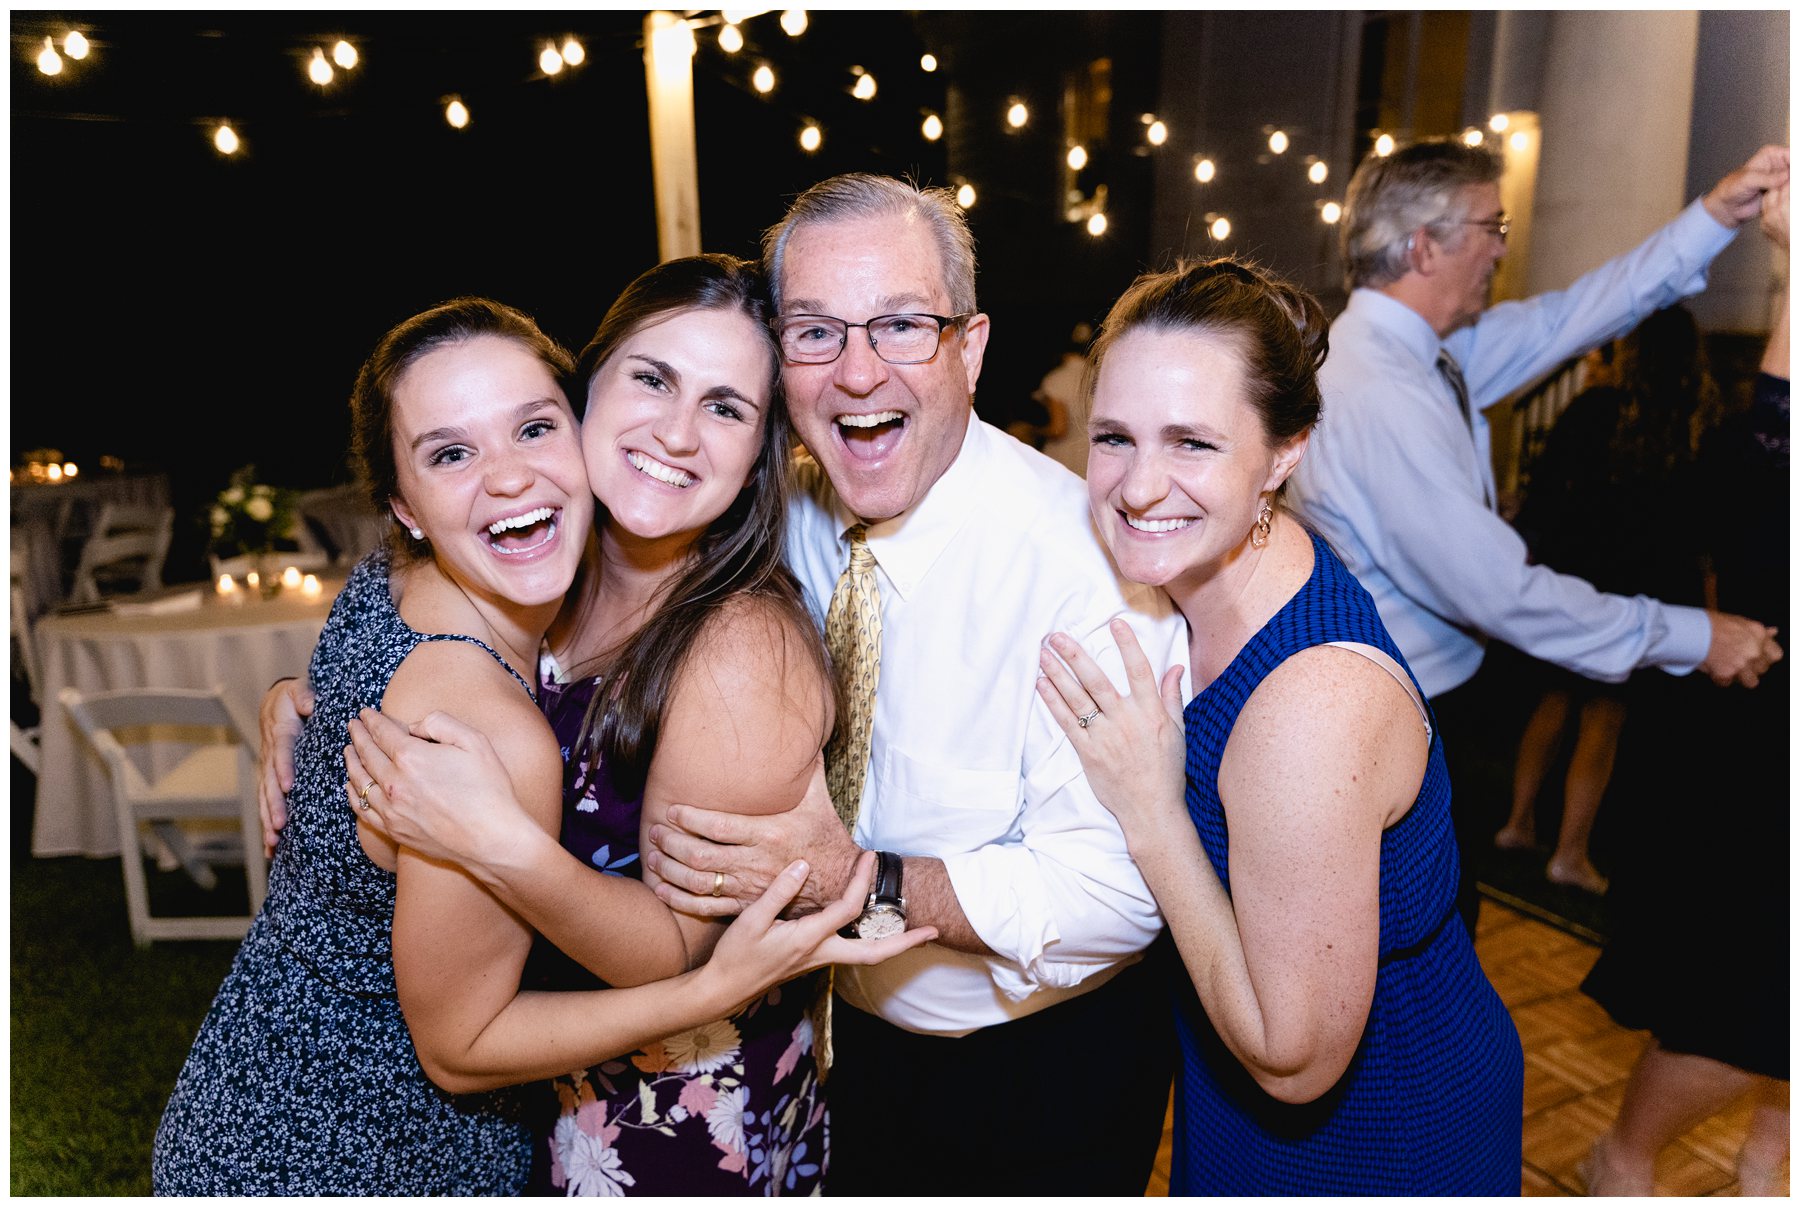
(363,796)
(1085,717)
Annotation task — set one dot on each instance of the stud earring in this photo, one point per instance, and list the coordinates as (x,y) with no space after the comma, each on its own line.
(418,534)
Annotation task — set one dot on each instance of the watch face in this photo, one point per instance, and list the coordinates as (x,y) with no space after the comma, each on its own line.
(880,921)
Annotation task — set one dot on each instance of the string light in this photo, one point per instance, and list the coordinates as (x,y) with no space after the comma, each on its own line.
(764,79)
(1519,140)
(1384,145)
(75,45)
(344,55)
(456,113)
(865,85)
(1499,122)
(1205,170)
(48,61)
(1330,212)
(1220,228)
(1018,115)
(932,127)
(1096,226)
(965,196)
(1077,157)
(811,138)
(793,22)
(550,60)
(574,53)
(1278,142)
(1158,134)
(927,62)
(731,39)
(319,69)
(226,140)
(1318,172)
(1472,137)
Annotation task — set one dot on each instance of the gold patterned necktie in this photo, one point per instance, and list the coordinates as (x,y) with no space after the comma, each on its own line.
(853,634)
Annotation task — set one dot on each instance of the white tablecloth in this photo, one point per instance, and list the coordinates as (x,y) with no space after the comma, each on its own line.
(239,648)
(43,516)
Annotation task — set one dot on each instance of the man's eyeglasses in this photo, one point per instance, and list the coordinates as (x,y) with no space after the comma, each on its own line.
(899,339)
(1497,226)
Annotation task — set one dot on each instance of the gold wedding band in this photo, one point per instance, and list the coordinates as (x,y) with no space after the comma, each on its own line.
(718,882)
(364,794)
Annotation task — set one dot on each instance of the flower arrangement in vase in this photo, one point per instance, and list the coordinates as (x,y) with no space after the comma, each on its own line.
(248,518)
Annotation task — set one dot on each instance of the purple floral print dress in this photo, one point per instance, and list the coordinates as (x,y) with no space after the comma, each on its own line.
(731,1107)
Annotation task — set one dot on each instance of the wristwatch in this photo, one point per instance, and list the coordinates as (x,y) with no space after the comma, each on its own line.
(885,913)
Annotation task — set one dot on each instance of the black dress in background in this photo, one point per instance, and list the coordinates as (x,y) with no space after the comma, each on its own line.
(1698,953)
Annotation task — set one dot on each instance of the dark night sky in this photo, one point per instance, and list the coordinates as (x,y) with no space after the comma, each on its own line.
(175,307)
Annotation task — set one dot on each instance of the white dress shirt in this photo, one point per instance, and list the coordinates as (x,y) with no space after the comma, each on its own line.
(1394,481)
(966,763)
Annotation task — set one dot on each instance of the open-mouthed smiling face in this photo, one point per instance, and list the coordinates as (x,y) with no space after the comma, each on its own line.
(489,467)
(674,422)
(884,434)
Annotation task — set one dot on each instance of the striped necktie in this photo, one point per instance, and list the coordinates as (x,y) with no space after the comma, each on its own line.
(1452,372)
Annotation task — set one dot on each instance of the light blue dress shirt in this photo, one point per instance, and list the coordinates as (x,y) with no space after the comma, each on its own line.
(1397,482)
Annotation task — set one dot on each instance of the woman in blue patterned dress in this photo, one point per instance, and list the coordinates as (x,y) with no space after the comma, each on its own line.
(684,668)
(1338,1036)
(378,993)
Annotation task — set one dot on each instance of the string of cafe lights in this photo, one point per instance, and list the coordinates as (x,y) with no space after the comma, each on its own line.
(554,56)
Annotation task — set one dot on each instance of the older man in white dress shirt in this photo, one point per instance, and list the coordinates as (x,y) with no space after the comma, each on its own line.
(1399,477)
(1022,1052)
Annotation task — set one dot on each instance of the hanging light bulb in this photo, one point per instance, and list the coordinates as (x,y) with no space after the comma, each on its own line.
(1331,211)
(1018,115)
(574,53)
(75,45)
(1220,228)
(793,22)
(1472,137)
(865,86)
(1384,145)
(1499,122)
(48,61)
(550,60)
(319,69)
(344,55)
(226,140)
(1077,157)
(456,113)
(1096,226)
(1519,140)
(927,62)
(731,39)
(965,196)
(1204,171)
(1157,134)
(764,79)
(811,138)
(1278,142)
(932,127)
(1318,172)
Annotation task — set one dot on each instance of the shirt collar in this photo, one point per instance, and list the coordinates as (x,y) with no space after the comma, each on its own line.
(907,545)
(1406,325)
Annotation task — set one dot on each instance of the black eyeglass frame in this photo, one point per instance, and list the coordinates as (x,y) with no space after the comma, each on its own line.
(942,320)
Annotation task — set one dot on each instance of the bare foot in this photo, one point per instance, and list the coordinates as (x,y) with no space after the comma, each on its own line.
(1577,873)
(1602,1177)
(1514,838)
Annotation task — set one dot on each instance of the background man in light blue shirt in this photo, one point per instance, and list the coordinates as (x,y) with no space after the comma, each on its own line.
(1399,477)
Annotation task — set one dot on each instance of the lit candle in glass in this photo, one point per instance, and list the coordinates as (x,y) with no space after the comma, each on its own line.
(253,580)
(290,578)
(226,585)
(310,586)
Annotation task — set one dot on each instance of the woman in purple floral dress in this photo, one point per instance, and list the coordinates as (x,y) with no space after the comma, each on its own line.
(684,667)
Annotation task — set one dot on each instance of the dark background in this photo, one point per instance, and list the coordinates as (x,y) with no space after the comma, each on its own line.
(194,312)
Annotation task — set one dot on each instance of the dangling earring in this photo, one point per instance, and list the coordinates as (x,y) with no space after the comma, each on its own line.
(1259,536)
(418,534)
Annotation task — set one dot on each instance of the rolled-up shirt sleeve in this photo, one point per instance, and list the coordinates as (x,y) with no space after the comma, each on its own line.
(1061,898)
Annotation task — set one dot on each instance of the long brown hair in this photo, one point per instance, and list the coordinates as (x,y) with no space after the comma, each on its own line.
(739,554)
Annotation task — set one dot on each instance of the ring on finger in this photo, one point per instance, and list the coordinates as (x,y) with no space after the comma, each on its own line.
(363,796)
(718,882)
(1086,717)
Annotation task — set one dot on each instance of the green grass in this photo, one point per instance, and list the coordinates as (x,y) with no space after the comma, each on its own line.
(99,1028)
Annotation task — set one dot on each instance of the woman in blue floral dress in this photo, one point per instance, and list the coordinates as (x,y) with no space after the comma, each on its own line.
(684,667)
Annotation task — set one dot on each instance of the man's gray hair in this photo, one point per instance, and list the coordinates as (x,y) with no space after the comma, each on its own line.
(865,195)
(1391,197)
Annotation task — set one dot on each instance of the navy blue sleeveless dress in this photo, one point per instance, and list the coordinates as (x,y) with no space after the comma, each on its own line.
(1432,1101)
(303,1080)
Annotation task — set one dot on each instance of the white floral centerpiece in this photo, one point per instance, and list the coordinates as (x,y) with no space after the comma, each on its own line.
(249,518)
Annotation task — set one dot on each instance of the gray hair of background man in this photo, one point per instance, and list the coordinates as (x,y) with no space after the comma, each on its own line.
(865,195)
(1391,197)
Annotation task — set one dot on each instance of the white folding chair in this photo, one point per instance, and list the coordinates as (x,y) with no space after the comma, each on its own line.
(25,738)
(351,525)
(127,545)
(215,779)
